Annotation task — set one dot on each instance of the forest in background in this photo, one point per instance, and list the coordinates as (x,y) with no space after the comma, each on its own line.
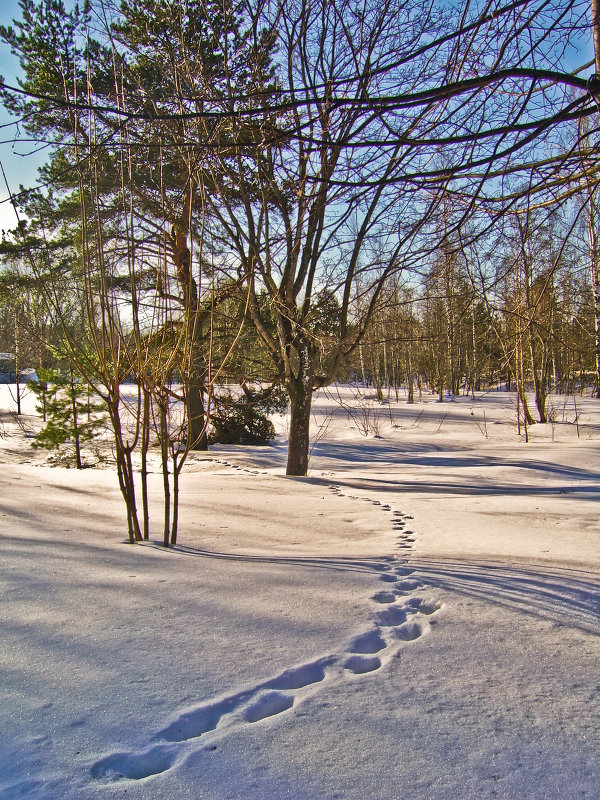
(285,194)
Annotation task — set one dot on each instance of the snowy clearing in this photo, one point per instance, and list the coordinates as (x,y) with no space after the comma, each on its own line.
(416,619)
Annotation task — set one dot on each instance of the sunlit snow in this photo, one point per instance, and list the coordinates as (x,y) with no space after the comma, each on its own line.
(418,618)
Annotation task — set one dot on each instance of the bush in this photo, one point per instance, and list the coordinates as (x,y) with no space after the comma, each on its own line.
(242,419)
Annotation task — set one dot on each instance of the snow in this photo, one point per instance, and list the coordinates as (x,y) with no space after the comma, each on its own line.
(418,618)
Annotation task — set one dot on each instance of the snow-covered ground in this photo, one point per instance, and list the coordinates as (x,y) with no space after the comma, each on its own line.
(416,619)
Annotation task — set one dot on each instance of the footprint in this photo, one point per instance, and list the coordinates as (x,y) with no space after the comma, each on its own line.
(361,664)
(299,677)
(384,597)
(409,631)
(268,705)
(392,616)
(403,571)
(408,585)
(424,606)
(192,724)
(388,578)
(134,766)
(366,643)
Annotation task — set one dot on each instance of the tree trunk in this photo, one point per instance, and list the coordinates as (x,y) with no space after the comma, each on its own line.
(175,520)
(124,471)
(164,451)
(126,482)
(182,258)
(539,380)
(596,32)
(196,414)
(145,444)
(17,367)
(362,365)
(300,392)
(595,276)
(596,284)
(76,436)
(411,388)
(474,376)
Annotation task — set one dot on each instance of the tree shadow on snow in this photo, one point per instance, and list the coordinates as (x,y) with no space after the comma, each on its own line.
(448,457)
(459,485)
(367,564)
(564,596)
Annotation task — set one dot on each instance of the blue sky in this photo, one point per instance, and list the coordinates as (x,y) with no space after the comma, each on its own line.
(20,167)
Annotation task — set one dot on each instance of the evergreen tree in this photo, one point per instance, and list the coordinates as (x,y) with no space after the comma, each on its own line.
(72,415)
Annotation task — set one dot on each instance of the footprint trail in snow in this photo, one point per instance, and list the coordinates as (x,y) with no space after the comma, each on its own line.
(402,618)
(400,615)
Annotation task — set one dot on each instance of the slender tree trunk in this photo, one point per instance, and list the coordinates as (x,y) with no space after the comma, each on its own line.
(452,379)
(411,387)
(474,375)
(527,417)
(76,436)
(362,365)
(525,413)
(596,32)
(175,520)
(538,370)
(125,475)
(164,449)
(595,280)
(145,443)
(44,388)
(597,329)
(17,366)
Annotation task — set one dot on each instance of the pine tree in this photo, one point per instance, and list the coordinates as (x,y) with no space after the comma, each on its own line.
(72,415)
